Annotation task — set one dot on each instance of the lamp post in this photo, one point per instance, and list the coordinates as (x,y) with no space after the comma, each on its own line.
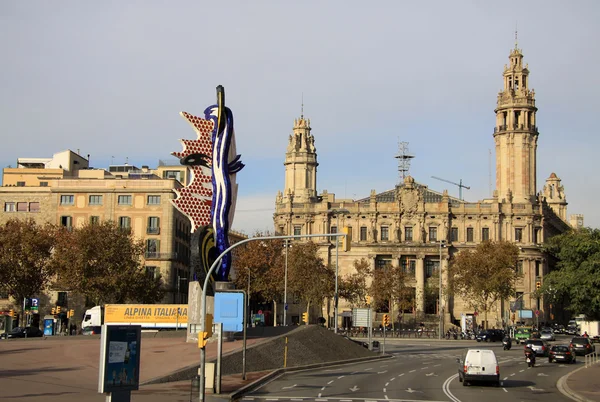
(285,306)
(337,213)
(248,299)
(441,303)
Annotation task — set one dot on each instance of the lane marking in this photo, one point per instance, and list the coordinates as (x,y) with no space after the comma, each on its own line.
(318,396)
(323,389)
(412,371)
(296,399)
(504,389)
(505,378)
(387,383)
(384,390)
(330,382)
(446,388)
(340,377)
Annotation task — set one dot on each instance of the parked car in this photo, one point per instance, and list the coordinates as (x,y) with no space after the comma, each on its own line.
(22,332)
(540,347)
(581,345)
(490,335)
(478,365)
(91,330)
(547,335)
(561,353)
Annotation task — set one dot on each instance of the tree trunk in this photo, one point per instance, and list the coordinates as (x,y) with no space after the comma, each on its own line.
(308,313)
(485,321)
(274,313)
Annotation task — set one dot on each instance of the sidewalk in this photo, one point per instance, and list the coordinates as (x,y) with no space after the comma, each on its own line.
(582,384)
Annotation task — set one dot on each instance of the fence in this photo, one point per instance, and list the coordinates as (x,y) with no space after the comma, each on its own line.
(591,358)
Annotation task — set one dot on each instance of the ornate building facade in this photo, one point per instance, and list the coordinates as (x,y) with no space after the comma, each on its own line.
(419,229)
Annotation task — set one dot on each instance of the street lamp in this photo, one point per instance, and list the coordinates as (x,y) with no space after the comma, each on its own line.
(337,213)
(285,306)
(441,303)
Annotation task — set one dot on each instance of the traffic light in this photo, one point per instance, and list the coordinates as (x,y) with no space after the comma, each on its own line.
(538,285)
(347,240)
(11,313)
(71,313)
(203,339)
(386,320)
(57,309)
(305,318)
(368,300)
(53,311)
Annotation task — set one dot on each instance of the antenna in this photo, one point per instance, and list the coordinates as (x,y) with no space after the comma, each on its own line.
(460,185)
(403,160)
(302,108)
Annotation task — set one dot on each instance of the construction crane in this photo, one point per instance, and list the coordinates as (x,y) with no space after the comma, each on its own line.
(460,185)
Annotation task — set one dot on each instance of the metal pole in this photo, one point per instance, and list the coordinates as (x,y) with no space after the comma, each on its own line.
(202,388)
(335,296)
(285,306)
(219,357)
(244,340)
(440,308)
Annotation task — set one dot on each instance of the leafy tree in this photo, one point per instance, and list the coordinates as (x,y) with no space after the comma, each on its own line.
(25,255)
(307,274)
(264,262)
(387,287)
(353,287)
(104,263)
(577,277)
(484,275)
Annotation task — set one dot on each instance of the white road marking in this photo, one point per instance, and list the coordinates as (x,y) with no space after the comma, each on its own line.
(386,397)
(431,374)
(329,382)
(354,372)
(412,371)
(424,368)
(291,386)
(400,375)
(354,388)
(505,378)
(369,368)
(340,377)
(272,399)
(384,390)
(504,389)
(534,388)
(513,374)
(542,375)
(410,390)
(345,400)
(323,389)
(384,365)
(520,371)
(382,372)
(296,399)
(387,383)
(437,365)
(321,400)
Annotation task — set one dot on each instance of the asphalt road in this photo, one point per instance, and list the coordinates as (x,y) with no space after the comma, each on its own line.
(420,371)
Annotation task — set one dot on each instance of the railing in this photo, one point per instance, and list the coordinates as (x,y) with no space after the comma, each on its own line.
(153,230)
(590,358)
(159,256)
(504,127)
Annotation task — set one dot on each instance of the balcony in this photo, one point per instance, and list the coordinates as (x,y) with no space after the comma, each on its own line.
(518,127)
(153,230)
(150,255)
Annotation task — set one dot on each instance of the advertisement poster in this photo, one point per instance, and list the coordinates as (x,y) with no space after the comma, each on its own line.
(162,315)
(120,348)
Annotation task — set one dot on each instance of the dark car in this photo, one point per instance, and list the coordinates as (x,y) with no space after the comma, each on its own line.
(582,346)
(91,330)
(22,332)
(490,335)
(561,353)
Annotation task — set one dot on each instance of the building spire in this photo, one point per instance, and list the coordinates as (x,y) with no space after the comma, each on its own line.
(516,37)
(302,108)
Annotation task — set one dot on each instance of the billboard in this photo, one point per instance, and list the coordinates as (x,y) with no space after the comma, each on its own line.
(160,315)
(120,350)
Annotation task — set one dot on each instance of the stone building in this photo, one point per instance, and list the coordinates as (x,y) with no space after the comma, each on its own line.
(405,226)
(64,190)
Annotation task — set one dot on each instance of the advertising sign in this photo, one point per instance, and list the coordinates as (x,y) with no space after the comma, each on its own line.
(120,347)
(147,315)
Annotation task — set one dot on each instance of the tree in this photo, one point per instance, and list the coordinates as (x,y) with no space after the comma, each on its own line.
(577,277)
(104,263)
(353,287)
(387,287)
(484,275)
(25,255)
(307,274)
(263,261)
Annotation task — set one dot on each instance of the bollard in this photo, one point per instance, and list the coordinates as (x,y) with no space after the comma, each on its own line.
(194,388)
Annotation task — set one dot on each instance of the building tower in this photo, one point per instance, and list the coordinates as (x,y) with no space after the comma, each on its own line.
(300,163)
(554,193)
(516,134)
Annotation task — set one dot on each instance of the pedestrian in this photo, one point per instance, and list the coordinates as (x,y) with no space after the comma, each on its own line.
(585,335)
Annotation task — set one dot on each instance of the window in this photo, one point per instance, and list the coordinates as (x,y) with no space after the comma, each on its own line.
(9,207)
(485,234)
(21,207)
(34,207)
(408,233)
(432,233)
(151,271)
(153,225)
(124,222)
(382,261)
(470,234)
(124,200)
(536,235)
(94,220)
(43,184)
(154,200)
(385,233)
(333,230)
(520,267)
(62,299)
(20,184)
(66,221)
(95,200)
(409,266)
(152,248)
(518,235)
(67,199)
(537,268)
(363,233)
(430,267)
(297,230)
(172,174)
(454,234)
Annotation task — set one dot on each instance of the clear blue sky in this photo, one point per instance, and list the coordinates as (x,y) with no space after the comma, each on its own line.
(110,78)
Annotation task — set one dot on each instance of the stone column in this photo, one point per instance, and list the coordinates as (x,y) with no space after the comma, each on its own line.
(420,287)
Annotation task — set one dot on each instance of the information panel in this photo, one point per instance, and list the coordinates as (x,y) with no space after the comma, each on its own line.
(229,310)
(120,347)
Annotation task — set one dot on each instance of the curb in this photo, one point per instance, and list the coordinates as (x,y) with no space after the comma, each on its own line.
(564,388)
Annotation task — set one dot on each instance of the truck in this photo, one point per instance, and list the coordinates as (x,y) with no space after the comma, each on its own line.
(592,328)
(149,316)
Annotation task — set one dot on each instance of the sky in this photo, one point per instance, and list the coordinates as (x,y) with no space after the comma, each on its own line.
(109,79)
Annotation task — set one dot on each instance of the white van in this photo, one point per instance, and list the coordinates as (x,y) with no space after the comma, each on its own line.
(478,365)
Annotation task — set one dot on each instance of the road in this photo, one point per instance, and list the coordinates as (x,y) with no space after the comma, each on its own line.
(420,371)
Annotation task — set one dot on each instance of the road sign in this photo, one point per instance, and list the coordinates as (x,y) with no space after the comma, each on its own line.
(537,312)
(35,304)
(361,317)
(286,306)
(259,312)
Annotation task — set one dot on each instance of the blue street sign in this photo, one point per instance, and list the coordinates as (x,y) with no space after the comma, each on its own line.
(286,306)
(229,310)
